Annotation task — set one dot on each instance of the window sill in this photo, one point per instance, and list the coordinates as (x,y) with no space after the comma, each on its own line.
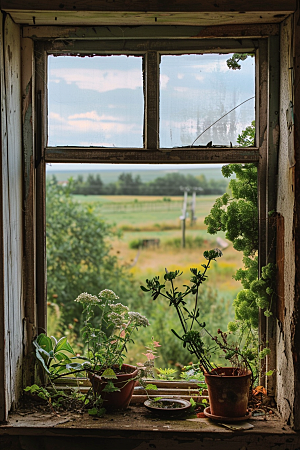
(137,427)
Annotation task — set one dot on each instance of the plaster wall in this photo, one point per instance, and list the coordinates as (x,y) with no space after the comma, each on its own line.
(285,211)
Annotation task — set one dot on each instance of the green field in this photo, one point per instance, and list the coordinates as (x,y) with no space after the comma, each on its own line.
(151,219)
(141,218)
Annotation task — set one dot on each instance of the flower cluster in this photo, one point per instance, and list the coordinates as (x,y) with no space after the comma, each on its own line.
(138,319)
(108,328)
(118,308)
(87,299)
(108,294)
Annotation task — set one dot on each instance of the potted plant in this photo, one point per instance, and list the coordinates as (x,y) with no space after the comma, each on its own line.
(105,338)
(228,387)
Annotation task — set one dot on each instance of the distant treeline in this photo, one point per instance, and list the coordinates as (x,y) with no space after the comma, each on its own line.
(171,184)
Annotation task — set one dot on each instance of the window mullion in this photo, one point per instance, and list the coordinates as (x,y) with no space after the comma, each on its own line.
(151,100)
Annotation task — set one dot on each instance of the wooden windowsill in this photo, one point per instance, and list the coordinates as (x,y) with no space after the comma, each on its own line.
(136,421)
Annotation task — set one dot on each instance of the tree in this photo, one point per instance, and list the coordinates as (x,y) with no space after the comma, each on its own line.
(78,254)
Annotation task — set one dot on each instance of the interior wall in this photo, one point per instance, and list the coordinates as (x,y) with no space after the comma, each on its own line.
(285,238)
(11,240)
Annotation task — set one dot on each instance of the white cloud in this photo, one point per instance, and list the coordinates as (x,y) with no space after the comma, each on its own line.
(92,115)
(98,80)
(91,122)
(180,76)
(213,66)
(181,89)
(164,79)
(199,77)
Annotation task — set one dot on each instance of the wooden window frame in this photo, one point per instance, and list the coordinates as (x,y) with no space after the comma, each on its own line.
(264,153)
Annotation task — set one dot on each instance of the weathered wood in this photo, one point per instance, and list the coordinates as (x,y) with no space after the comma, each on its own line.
(152,100)
(295,323)
(28,206)
(280,258)
(272,175)
(151,32)
(240,6)
(137,429)
(157,18)
(138,46)
(138,156)
(41,140)
(262,142)
(3,144)
(11,335)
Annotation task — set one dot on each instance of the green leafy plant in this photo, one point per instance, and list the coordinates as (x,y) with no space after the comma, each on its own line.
(190,321)
(236,214)
(105,347)
(106,342)
(167,373)
(233,62)
(54,355)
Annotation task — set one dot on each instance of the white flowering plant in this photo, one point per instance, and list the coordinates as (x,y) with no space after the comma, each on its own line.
(106,342)
(104,336)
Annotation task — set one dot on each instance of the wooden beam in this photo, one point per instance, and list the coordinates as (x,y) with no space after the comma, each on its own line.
(271,192)
(139,156)
(41,139)
(3,144)
(295,324)
(150,32)
(29,261)
(262,142)
(152,100)
(240,6)
(142,46)
(157,18)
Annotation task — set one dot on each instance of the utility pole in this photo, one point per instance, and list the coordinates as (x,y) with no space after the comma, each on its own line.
(184,214)
(193,204)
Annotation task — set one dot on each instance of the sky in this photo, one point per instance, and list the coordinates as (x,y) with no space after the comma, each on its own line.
(98,101)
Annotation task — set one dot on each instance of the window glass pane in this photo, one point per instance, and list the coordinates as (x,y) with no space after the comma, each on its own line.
(95,101)
(196,91)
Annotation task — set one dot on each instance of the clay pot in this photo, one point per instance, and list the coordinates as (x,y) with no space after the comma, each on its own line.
(228,392)
(125,382)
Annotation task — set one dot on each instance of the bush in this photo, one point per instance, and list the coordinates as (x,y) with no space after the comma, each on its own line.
(135,244)
(78,255)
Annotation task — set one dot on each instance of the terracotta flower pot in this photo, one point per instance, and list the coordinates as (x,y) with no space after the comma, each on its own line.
(228,392)
(125,382)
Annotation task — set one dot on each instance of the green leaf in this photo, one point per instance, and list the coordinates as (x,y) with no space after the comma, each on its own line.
(192,402)
(145,289)
(151,387)
(32,388)
(60,356)
(45,342)
(96,412)
(41,359)
(110,387)
(270,373)
(109,374)
(63,344)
